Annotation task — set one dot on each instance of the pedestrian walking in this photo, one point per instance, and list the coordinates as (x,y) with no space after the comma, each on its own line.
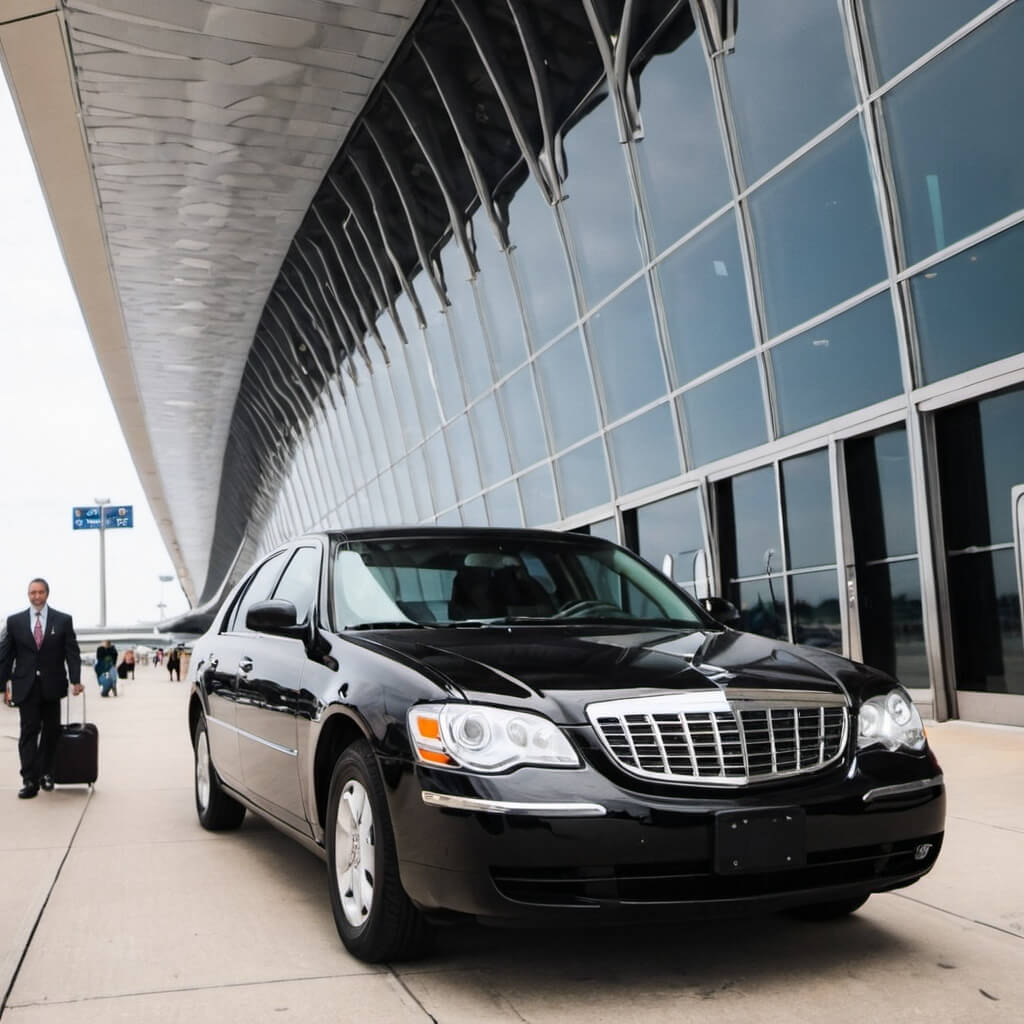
(174,665)
(39,654)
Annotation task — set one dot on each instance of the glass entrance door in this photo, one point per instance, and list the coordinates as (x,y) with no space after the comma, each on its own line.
(883,583)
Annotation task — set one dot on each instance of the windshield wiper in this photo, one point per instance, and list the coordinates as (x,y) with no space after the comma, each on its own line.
(396,624)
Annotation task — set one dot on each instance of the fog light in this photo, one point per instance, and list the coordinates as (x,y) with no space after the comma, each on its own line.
(922,850)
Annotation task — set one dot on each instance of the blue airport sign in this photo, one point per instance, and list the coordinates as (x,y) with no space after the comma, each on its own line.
(115,517)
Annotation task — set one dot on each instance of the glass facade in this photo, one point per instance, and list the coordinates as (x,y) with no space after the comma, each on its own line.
(745,286)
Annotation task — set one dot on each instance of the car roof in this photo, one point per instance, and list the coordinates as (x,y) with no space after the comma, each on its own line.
(453,532)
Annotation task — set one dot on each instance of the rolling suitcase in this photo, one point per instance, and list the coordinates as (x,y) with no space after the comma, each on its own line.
(77,755)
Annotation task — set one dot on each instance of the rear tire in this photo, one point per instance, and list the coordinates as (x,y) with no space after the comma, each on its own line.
(217,811)
(374,917)
(829,911)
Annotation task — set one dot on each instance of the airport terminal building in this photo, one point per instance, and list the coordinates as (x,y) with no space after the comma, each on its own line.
(739,282)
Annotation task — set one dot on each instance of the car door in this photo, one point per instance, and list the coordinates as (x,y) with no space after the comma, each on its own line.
(219,671)
(270,673)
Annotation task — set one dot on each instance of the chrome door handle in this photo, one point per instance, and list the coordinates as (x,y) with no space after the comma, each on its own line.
(245,666)
(211,662)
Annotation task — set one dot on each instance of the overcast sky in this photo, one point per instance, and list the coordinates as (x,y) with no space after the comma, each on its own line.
(62,445)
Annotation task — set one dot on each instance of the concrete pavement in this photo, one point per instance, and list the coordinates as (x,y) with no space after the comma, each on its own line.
(116,906)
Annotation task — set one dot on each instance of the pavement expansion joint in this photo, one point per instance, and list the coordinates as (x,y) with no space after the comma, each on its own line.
(961,917)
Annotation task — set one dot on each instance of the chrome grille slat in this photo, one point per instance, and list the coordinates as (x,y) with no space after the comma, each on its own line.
(700,739)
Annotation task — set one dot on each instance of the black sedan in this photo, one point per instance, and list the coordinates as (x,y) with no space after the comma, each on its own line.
(521,725)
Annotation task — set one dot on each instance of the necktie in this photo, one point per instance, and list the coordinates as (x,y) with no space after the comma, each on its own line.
(38,632)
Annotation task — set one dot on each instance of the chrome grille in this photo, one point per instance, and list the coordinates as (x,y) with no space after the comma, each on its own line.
(707,738)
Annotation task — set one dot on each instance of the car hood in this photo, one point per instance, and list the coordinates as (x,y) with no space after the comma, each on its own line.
(559,671)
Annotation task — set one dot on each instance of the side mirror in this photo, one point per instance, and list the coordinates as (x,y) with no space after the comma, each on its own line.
(724,611)
(275,617)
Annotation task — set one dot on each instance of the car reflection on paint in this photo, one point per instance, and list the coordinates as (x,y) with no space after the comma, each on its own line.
(518,725)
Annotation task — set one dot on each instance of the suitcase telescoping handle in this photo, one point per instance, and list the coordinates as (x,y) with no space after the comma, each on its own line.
(67,708)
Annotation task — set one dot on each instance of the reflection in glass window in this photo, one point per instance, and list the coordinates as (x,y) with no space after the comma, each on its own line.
(467,331)
(522,414)
(440,467)
(490,441)
(901,32)
(672,526)
(498,300)
(540,264)
(845,363)
(891,624)
(537,491)
(725,414)
(762,607)
(815,603)
(463,456)
(503,505)
(753,532)
(807,496)
(956,156)
(817,231)
(257,590)
(705,298)
(583,478)
(970,307)
(626,352)
(567,394)
(600,207)
(789,78)
(643,450)
(681,156)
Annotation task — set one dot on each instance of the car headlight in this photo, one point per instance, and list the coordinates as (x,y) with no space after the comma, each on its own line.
(485,739)
(891,720)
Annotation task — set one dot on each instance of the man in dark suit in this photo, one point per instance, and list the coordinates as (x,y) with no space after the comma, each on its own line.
(38,653)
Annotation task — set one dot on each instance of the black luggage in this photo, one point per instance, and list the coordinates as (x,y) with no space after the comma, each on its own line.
(77,756)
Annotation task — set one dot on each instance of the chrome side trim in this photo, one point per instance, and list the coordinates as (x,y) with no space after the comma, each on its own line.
(466,803)
(905,787)
(249,736)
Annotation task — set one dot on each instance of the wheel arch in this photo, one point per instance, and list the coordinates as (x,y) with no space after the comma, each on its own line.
(337,734)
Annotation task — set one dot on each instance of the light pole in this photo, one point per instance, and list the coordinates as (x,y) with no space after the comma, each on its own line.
(163,578)
(103,502)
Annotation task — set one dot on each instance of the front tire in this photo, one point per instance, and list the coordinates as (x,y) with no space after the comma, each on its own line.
(374,917)
(217,811)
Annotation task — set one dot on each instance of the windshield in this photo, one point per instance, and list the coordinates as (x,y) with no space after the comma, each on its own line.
(479,579)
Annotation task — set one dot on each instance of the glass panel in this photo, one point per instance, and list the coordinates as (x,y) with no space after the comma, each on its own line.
(371,418)
(490,441)
(626,354)
(463,456)
(537,491)
(790,81)
(467,331)
(681,158)
(985,608)
(583,478)
(980,460)
(600,207)
(880,496)
(503,505)
(420,483)
(606,528)
(522,414)
(892,631)
(901,32)
(672,527)
(498,300)
(715,433)
(453,517)
(540,264)
(705,298)
(807,501)
(474,513)
(817,231)
(845,363)
(815,604)
(756,523)
(644,450)
(257,590)
(441,482)
(969,308)
(404,489)
(762,607)
(389,491)
(446,371)
(405,397)
(567,394)
(955,156)
(381,378)
(421,374)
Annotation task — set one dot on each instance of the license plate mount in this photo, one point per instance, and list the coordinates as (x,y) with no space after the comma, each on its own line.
(760,839)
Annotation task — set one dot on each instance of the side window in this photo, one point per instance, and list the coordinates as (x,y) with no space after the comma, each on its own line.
(257,590)
(299,582)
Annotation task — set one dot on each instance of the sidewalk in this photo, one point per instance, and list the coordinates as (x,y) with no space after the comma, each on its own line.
(119,907)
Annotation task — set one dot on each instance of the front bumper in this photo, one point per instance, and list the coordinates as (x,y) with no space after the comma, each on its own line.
(541,844)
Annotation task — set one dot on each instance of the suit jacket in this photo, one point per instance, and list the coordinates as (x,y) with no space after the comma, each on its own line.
(50,665)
